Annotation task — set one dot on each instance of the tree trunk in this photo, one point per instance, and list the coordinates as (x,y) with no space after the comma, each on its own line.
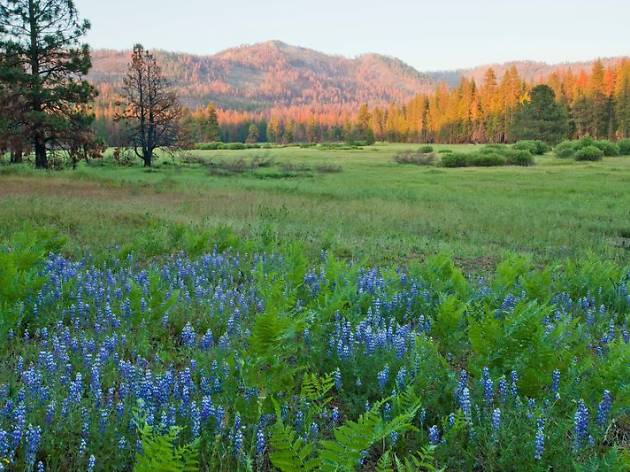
(16,156)
(41,159)
(147,158)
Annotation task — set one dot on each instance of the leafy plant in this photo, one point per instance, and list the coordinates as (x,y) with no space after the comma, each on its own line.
(159,452)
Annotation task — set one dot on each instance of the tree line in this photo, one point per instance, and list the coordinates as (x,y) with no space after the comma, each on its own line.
(595,104)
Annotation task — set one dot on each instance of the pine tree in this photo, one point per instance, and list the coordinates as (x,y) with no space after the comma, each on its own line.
(44,69)
(541,118)
(252,134)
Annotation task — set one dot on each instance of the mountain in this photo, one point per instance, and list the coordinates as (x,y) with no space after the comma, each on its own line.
(272,74)
(259,76)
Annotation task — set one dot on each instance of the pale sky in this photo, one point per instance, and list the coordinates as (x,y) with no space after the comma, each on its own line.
(429,35)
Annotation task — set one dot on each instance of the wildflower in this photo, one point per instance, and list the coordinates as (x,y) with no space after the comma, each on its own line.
(496,422)
(603,409)
(580,425)
(260,442)
(91,463)
(465,405)
(337,378)
(434,435)
(539,443)
(555,382)
(382,377)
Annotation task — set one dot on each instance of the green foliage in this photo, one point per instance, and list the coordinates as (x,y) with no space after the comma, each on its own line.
(354,437)
(609,149)
(541,118)
(534,146)
(624,147)
(159,452)
(289,452)
(427,148)
(454,160)
(417,158)
(565,149)
(489,156)
(589,153)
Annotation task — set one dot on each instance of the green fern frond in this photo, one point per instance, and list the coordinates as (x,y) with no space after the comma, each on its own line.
(289,452)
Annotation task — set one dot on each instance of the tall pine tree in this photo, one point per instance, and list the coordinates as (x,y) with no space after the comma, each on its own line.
(45,67)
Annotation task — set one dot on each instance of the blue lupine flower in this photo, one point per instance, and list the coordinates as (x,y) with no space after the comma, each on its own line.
(188,335)
(91,463)
(603,409)
(465,405)
(555,382)
(434,435)
(496,421)
(335,415)
(580,425)
(33,436)
(260,442)
(382,377)
(539,443)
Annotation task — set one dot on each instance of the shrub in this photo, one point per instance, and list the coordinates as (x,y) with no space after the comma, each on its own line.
(417,158)
(454,160)
(208,146)
(535,147)
(565,149)
(624,147)
(589,153)
(520,157)
(445,151)
(426,149)
(486,159)
(328,168)
(608,148)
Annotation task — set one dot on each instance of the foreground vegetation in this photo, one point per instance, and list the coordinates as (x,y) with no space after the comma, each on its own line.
(315,308)
(226,359)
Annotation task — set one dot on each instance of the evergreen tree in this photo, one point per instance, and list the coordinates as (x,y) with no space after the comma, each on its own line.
(44,66)
(541,118)
(212,129)
(252,134)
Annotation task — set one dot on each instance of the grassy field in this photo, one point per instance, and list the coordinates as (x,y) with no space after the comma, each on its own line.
(358,203)
(248,346)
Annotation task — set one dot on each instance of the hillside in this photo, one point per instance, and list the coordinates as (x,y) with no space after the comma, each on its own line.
(273,73)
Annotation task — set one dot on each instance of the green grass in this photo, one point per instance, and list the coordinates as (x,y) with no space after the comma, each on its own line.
(374,208)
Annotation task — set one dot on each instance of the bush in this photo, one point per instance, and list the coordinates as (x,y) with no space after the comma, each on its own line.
(589,153)
(208,146)
(624,147)
(328,168)
(608,148)
(425,149)
(566,149)
(486,159)
(445,151)
(535,147)
(520,157)
(417,158)
(454,160)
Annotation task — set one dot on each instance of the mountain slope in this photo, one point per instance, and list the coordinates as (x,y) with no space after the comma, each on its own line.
(273,73)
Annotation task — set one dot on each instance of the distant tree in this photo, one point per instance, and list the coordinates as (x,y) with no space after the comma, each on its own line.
(212,129)
(252,134)
(43,69)
(152,111)
(541,117)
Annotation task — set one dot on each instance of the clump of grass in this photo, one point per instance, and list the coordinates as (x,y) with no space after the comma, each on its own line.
(489,156)
(328,168)
(415,158)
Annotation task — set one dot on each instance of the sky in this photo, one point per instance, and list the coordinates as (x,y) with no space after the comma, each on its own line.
(429,35)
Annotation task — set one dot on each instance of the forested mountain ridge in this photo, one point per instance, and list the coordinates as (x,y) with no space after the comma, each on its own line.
(275,74)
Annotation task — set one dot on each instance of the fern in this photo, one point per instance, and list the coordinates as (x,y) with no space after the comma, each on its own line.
(315,389)
(159,453)
(289,452)
(355,437)
(385,463)
(421,461)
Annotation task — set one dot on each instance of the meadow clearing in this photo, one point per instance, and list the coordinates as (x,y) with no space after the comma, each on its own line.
(358,203)
(303,309)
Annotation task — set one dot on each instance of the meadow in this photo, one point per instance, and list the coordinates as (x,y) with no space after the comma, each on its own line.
(315,308)
(358,204)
